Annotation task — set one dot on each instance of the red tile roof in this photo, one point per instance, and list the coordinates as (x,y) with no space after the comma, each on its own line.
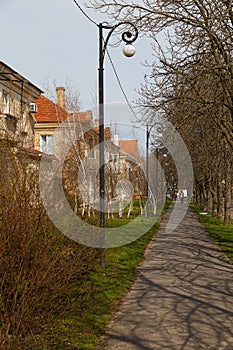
(129,147)
(29,151)
(83,116)
(48,111)
(33,152)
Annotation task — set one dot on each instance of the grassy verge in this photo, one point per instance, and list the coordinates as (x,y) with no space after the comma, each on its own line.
(93,301)
(222,234)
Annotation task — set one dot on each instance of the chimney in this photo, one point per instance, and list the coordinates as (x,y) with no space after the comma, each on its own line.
(61,97)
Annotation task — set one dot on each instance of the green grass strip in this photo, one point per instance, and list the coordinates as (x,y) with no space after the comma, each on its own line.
(221,233)
(93,301)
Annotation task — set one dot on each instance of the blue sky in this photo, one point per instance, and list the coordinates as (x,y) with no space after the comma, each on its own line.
(52,38)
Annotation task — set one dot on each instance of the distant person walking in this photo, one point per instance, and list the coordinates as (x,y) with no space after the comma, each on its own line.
(181,195)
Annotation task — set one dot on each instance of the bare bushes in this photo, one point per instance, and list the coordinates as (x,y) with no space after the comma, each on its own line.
(38,265)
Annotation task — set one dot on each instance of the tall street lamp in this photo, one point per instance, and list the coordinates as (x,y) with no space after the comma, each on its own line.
(148,131)
(128,37)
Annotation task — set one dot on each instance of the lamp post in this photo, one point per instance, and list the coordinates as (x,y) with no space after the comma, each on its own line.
(147,166)
(148,131)
(128,37)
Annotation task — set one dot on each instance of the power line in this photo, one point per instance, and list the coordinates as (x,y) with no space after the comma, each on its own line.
(110,59)
(120,85)
(84,13)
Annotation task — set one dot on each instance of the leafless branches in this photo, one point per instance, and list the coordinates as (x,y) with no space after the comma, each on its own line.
(191,82)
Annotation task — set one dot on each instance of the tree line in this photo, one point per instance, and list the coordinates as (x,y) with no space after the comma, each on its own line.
(190,83)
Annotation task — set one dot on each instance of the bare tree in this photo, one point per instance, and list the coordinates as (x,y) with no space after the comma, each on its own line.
(200,29)
(72,95)
(191,83)
(38,264)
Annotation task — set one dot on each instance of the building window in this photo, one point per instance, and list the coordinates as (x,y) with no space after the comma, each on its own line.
(46,144)
(8,106)
(5,102)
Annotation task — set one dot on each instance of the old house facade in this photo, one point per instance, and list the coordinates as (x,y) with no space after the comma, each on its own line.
(71,138)
(132,166)
(17,107)
(35,126)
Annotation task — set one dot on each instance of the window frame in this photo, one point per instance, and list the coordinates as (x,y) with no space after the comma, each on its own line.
(47,143)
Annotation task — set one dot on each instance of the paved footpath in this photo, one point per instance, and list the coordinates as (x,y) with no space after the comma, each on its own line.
(182,298)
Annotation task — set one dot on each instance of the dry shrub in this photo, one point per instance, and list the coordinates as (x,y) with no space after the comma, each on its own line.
(38,265)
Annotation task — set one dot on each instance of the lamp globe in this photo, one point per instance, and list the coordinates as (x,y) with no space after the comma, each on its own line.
(129,50)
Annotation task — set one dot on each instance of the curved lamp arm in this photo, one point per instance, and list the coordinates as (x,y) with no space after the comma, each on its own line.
(128,36)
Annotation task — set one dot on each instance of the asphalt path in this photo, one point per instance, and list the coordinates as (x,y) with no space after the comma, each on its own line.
(182,298)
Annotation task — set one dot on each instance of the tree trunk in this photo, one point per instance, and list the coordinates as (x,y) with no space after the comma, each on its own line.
(215,202)
(220,202)
(227,212)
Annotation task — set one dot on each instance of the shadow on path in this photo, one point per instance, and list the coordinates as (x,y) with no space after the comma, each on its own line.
(182,298)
